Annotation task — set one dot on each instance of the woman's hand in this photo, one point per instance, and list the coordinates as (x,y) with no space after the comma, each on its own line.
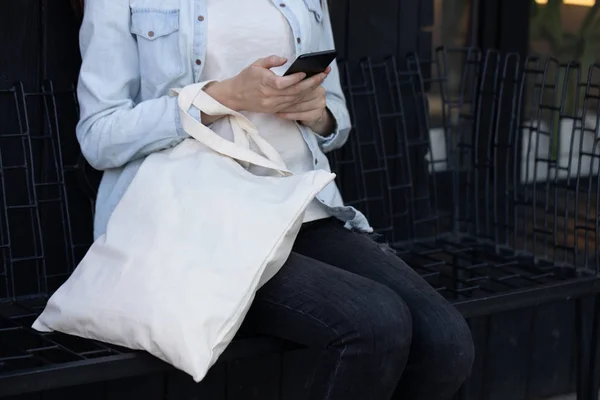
(311,111)
(258,89)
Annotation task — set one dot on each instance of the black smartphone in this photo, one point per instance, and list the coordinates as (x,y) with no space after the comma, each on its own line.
(312,63)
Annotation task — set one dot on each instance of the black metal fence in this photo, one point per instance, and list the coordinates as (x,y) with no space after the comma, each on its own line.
(486,183)
(505,198)
(499,211)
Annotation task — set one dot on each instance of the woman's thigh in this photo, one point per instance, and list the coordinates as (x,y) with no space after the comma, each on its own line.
(315,304)
(362,327)
(437,326)
(329,242)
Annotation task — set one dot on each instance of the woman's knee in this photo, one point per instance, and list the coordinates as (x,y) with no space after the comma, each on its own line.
(446,345)
(459,348)
(383,321)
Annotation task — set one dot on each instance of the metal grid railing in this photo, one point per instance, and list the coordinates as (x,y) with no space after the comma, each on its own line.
(42,238)
(22,348)
(478,212)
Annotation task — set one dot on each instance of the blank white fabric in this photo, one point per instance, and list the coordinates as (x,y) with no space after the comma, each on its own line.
(258,29)
(187,247)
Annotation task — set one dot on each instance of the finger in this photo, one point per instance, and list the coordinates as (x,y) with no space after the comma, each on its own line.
(307,84)
(276,103)
(284,82)
(310,95)
(279,103)
(313,104)
(293,99)
(301,116)
(288,101)
(311,99)
(270,62)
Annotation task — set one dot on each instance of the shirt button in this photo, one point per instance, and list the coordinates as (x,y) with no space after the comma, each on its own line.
(298,40)
(200,18)
(151,34)
(281,4)
(316,161)
(198,61)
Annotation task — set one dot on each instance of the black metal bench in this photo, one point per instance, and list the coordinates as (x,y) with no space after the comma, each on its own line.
(47,202)
(469,218)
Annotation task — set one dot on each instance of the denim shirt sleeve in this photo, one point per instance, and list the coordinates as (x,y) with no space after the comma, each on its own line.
(113,130)
(336,102)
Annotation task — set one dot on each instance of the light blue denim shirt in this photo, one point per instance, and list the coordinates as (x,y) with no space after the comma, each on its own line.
(134,51)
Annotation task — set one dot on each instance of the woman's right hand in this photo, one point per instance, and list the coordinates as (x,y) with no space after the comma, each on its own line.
(258,89)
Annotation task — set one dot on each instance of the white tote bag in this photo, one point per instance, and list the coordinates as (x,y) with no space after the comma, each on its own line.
(185,250)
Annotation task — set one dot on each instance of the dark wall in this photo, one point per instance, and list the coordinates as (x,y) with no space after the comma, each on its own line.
(380,28)
(38,40)
(504,25)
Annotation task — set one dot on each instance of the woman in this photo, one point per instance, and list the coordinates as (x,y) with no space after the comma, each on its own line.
(381,328)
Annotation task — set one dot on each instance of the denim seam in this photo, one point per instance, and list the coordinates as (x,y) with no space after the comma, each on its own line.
(145,10)
(337,366)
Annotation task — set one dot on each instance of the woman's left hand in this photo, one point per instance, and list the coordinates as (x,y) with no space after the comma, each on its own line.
(312,112)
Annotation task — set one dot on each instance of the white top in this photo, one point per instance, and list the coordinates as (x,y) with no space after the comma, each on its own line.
(236,40)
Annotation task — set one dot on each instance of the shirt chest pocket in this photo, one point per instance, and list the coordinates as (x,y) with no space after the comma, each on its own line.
(157,33)
(316,8)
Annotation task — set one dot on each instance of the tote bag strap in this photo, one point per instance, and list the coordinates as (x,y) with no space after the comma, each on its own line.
(241,126)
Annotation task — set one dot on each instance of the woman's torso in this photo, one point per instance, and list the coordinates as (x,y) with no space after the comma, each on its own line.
(173,37)
(236,40)
(172,43)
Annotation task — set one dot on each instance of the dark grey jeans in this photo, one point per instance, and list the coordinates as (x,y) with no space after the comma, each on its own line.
(385,333)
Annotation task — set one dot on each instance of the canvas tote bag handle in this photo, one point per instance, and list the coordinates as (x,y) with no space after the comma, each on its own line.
(240,125)
(242,129)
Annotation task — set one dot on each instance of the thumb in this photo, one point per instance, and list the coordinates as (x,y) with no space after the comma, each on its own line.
(270,62)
